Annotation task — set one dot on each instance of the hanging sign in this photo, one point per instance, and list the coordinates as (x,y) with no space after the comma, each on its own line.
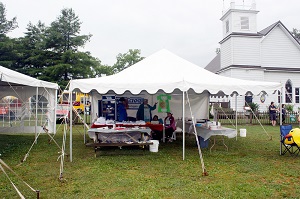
(163,103)
(262,98)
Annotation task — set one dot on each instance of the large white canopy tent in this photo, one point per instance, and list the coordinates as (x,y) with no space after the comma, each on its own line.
(165,72)
(23,87)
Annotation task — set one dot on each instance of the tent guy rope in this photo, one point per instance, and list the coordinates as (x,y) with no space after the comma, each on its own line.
(15,187)
(204,172)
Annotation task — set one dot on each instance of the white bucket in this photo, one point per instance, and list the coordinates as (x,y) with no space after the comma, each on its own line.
(154,147)
(243,132)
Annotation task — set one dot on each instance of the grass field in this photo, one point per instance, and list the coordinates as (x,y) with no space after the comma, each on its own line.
(252,168)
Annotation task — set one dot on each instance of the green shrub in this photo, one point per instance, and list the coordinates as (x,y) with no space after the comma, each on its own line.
(254,106)
(289,107)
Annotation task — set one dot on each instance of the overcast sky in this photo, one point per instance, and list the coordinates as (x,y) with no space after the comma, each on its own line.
(189,28)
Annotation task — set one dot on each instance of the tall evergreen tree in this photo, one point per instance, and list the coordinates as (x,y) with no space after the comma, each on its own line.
(34,56)
(7,46)
(64,39)
(5,24)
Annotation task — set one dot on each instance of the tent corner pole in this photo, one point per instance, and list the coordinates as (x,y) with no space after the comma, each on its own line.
(36,113)
(236,119)
(183,126)
(71,123)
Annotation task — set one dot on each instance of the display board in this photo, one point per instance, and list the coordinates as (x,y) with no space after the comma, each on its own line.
(109,107)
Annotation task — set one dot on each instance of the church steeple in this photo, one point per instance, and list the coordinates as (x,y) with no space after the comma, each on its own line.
(239,18)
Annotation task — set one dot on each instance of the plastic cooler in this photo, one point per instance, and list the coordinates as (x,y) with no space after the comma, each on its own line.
(203,144)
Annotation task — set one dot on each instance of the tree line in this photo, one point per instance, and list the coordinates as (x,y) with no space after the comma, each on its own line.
(51,53)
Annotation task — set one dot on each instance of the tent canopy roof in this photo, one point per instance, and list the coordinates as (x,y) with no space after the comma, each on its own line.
(16,78)
(165,71)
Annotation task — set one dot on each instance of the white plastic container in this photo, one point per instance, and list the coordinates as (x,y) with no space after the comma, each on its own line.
(243,132)
(101,120)
(154,147)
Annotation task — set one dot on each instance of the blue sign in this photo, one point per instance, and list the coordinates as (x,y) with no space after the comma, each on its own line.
(132,103)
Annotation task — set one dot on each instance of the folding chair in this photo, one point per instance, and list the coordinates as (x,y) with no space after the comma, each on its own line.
(177,130)
(287,143)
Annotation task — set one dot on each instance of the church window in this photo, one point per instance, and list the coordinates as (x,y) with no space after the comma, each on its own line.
(288,92)
(244,23)
(248,99)
(297,99)
(227,26)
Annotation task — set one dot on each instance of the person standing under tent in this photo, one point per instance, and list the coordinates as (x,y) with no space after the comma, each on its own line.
(272,112)
(144,111)
(122,113)
(169,126)
(283,111)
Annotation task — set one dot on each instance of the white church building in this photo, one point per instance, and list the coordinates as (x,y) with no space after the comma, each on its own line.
(271,54)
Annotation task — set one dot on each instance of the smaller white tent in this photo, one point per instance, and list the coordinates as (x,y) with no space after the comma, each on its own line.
(165,72)
(23,87)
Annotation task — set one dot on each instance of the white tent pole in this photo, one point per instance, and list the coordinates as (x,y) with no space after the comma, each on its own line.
(183,126)
(71,122)
(55,107)
(281,99)
(36,107)
(84,117)
(280,106)
(236,119)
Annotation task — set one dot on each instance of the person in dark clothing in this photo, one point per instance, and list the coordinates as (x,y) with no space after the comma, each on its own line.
(283,111)
(272,112)
(144,111)
(169,126)
(156,134)
(122,112)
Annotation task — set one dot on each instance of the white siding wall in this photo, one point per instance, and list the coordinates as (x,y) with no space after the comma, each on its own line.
(283,77)
(246,51)
(226,73)
(240,102)
(248,74)
(226,54)
(278,50)
(264,106)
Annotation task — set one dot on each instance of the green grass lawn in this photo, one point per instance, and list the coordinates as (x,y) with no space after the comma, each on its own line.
(252,168)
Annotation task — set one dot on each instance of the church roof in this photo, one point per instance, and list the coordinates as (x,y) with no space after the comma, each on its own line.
(269,28)
(215,64)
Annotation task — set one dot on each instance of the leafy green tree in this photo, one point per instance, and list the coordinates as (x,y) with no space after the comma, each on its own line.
(6,25)
(102,70)
(127,59)
(296,34)
(7,46)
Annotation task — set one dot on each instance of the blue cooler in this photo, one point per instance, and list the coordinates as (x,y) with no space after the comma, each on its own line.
(203,144)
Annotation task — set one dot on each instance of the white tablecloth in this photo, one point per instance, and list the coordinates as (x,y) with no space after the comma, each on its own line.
(93,131)
(207,133)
